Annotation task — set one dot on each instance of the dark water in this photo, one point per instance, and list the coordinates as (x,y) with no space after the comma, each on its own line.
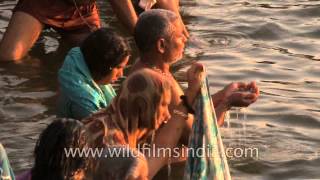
(275,43)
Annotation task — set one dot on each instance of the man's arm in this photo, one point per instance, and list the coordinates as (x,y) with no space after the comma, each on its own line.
(234,95)
(166,137)
(172,5)
(125,12)
(220,103)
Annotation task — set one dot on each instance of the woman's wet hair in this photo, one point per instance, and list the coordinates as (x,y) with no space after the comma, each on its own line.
(51,161)
(102,51)
(139,98)
(152,25)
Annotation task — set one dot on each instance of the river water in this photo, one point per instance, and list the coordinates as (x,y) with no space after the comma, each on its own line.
(275,43)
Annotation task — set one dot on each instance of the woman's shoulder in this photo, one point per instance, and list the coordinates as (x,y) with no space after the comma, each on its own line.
(96,127)
(103,129)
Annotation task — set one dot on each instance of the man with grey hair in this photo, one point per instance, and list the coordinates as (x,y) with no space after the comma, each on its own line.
(161,41)
(153,25)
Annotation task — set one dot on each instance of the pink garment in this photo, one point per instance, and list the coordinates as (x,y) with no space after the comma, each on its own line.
(26,175)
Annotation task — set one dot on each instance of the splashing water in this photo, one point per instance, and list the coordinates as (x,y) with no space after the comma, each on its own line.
(242,129)
(227,118)
(243,124)
(240,118)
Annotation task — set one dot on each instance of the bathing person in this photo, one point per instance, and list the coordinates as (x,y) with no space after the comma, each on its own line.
(88,71)
(140,108)
(53,163)
(6,172)
(72,19)
(161,41)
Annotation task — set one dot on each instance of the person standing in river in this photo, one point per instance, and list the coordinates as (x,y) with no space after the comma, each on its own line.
(160,38)
(72,19)
(87,73)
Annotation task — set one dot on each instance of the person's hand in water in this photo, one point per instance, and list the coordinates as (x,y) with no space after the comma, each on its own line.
(237,94)
(241,94)
(195,76)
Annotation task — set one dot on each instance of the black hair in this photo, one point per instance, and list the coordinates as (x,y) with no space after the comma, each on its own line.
(102,51)
(51,161)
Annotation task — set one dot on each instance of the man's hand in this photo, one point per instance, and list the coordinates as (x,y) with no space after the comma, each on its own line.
(195,76)
(241,94)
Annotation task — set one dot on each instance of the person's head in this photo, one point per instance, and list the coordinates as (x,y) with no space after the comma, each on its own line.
(142,103)
(106,54)
(51,161)
(129,165)
(160,31)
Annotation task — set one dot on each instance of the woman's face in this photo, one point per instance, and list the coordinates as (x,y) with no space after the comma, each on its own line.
(115,73)
(163,113)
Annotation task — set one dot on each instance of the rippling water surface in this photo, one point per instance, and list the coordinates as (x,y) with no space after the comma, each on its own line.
(275,43)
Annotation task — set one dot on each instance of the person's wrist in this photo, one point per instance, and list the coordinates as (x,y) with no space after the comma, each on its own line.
(191,94)
(226,104)
(190,97)
(186,104)
(220,96)
(192,87)
(224,93)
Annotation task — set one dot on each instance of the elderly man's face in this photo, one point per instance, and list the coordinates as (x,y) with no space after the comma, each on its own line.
(175,44)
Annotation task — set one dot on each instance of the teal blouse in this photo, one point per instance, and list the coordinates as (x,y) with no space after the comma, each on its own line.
(80,96)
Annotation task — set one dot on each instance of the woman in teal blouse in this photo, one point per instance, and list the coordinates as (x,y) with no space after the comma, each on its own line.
(87,72)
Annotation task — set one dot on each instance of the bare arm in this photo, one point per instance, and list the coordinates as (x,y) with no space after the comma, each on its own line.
(232,96)
(172,5)
(166,137)
(221,110)
(220,103)
(125,12)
